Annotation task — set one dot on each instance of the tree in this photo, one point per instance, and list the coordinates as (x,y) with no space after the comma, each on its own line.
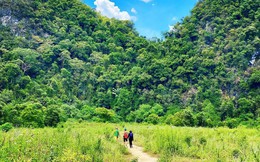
(123,102)
(157,109)
(26,58)
(254,80)
(153,118)
(208,116)
(245,106)
(182,118)
(9,75)
(32,115)
(141,113)
(226,109)
(104,114)
(53,115)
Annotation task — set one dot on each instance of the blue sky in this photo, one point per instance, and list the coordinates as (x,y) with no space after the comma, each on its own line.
(151,17)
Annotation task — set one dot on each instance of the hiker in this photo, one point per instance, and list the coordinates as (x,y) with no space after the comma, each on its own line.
(125,137)
(131,138)
(116,134)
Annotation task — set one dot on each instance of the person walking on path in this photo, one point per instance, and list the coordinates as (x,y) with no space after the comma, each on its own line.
(131,138)
(125,137)
(116,134)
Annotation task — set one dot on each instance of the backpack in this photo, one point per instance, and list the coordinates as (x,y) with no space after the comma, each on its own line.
(125,135)
(131,135)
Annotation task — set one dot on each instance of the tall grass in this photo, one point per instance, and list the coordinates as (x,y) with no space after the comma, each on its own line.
(71,142)
(200,144)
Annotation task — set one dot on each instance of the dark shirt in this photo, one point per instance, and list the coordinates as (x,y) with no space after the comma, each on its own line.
(131,136)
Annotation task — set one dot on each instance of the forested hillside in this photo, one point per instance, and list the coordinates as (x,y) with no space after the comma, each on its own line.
(61,59)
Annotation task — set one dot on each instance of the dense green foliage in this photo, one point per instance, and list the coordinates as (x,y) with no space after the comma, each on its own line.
(61,59)
(6,127)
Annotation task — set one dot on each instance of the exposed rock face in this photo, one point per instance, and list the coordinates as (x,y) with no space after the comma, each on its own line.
(8,20)
(6,15)
(17,18)
(13,23)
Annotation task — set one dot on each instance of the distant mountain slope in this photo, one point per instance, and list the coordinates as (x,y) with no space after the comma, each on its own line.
(61,59)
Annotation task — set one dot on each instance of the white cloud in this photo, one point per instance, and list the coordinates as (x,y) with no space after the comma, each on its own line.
(134,11)
(174,18)
(146,1)
(109,9)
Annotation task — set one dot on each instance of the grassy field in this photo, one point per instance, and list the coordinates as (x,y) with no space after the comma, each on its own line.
(70,142)
(201,144)
(73,141)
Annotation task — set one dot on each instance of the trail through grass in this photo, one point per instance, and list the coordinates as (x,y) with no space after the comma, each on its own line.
(140,155)
(200,144)
(73,141)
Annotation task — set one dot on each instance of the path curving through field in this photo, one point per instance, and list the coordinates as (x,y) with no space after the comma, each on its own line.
(137,152)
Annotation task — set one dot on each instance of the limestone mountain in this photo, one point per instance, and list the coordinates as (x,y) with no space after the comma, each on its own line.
(61,59)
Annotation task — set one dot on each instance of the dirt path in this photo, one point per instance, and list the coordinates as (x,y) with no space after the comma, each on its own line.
(140,155)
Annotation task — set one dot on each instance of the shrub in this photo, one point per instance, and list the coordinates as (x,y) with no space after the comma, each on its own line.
(182,118)
(203,141)
(232,122)
(134,160)
(188,140)
(235,153)
(104,115)
(53,116)
(6,127)
(153,118)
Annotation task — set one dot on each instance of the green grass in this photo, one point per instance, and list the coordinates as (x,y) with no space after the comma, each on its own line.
(74,142)
(200,144)
(84,141)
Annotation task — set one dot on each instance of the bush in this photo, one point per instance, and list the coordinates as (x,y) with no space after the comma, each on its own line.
(235,153)
(6,127)
(188,140)
(231,122)
(203,141)
(105,115)
(182,118)
(153,118)
(53,116)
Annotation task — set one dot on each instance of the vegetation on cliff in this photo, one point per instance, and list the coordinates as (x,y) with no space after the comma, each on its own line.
(61,59)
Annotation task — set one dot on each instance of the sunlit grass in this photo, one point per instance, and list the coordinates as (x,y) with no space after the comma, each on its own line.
(73,141)
(200,144)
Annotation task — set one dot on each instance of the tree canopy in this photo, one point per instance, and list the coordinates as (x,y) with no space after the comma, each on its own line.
(61,59)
